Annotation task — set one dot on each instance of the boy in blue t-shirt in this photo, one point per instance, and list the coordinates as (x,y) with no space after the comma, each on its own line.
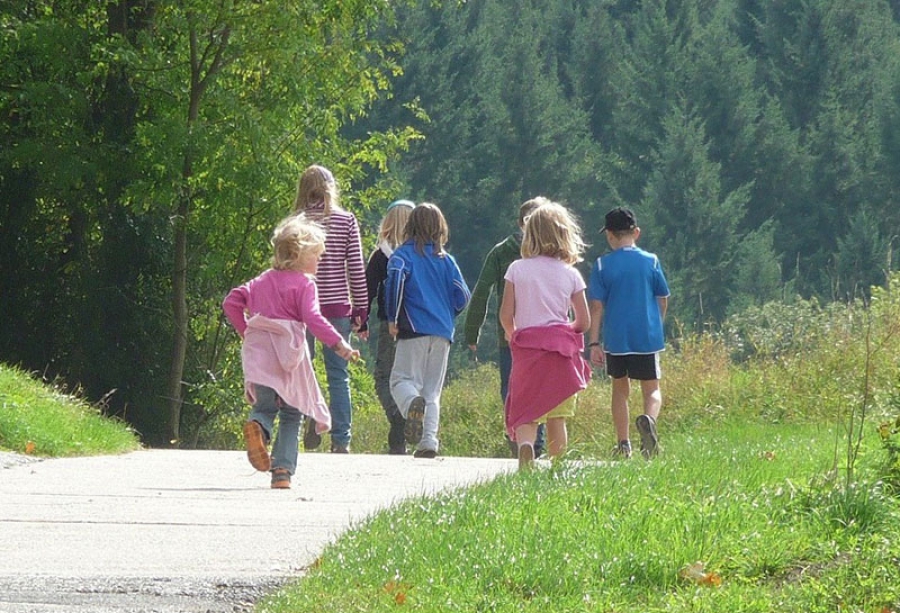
(628,292)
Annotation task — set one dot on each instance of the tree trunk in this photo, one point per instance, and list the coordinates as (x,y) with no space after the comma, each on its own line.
(179,315)
(200,76)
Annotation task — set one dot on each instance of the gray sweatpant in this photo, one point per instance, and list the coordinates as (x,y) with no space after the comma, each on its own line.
(420,365)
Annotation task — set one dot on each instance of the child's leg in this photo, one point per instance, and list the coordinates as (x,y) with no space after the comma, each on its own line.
(621,387)
(265,408)
(557,435)
(384,362)
(338,377)
(284,450)
(434,371)
(526,433)
(504,363)
(258,427)
(646,423)
(525,436)
(652,397)
(406,375)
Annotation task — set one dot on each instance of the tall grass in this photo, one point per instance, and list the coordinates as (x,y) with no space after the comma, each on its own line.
(38,419)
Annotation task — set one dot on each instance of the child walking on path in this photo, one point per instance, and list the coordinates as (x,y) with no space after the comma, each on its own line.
(491,280)
(628,296)
(272,314)
(424,292)
(390,236)
(341,282)
(548,369)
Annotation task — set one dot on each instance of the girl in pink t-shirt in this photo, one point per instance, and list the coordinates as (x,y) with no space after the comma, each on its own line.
(548,368)
(272,314)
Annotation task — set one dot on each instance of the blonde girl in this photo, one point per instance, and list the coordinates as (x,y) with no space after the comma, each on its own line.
(391,234)
(548,369)
(272,313)
(341,281)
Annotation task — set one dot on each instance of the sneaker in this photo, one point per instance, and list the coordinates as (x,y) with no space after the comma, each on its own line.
(281,479)
(412,430)
(339,448)
(311,438)
(623,450)
(255,442)
(429,454)
(646,425)
(397,450)
(526,456)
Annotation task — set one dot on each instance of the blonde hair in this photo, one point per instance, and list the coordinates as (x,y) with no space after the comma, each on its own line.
(316,186)
(528,207)
(393,226)
(293,239)
(552,230)
(426,224)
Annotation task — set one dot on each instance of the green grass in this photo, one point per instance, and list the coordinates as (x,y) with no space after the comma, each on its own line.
(613,536)
(39,420)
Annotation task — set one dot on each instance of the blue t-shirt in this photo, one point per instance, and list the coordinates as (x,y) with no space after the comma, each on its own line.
(628,282)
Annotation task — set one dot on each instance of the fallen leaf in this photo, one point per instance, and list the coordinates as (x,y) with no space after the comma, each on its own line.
(30,447)
(695,572)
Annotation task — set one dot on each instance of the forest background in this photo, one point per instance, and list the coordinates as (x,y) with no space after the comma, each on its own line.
(148,148)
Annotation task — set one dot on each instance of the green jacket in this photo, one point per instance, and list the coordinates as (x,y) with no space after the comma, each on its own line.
(494,268)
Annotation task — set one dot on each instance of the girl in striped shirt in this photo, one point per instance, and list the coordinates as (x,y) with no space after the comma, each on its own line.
(343,296)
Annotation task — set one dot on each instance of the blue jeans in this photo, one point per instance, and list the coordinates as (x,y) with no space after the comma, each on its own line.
(268,405)
(504,361)
(338,384)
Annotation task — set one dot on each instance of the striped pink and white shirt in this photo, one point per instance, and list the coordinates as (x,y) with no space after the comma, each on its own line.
(341,277)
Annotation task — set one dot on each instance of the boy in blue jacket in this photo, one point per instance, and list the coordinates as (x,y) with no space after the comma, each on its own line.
(424,292)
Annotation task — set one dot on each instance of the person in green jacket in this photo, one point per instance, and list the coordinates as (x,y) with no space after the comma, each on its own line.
(491,280)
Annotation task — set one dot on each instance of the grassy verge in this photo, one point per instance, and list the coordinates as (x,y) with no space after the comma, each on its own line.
(746,501)
(36,419)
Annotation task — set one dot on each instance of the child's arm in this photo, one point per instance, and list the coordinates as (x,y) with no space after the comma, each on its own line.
(663,302)
(508,309)
(459,293)
(598,357)
(235,308)
(356,277)
(484,286)
(582,316)
(321,328)
(393,291)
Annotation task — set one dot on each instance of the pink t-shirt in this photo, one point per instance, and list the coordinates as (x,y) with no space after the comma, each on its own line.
(543,290)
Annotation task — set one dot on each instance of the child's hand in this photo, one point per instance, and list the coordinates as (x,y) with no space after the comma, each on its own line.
(598,356)
(346,352)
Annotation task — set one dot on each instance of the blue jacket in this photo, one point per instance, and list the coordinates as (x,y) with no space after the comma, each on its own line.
(424,293)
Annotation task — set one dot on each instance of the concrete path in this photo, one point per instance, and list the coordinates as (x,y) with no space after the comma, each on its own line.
(162,530)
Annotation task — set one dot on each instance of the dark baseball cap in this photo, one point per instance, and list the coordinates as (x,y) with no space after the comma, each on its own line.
(620,220)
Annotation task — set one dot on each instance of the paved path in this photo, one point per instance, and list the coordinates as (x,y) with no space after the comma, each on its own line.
(185,531)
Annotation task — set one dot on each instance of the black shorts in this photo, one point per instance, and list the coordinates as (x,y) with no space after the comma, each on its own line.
(639,366)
